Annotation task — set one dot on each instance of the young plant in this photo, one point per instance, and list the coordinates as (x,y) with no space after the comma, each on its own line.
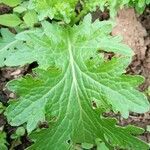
(30,12)
(73,85)
(16,137)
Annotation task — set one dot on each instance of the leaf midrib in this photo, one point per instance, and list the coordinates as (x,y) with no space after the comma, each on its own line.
(72,64)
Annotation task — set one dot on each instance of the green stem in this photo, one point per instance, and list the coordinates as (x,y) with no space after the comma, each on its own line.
(81,15)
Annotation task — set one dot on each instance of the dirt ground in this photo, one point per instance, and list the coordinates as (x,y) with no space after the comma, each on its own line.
(136,34)
(135,31)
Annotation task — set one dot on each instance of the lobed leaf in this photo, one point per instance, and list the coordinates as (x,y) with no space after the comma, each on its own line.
(69,79)
(60,10)
(51,44)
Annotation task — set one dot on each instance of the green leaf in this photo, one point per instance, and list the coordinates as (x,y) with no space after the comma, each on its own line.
(19,9)
(87,145)
(11,3)
(3,141)
(20,131)
(7,41)
(101,146)
(10,20)
(139,5)
(147,2)
(134,130)
(148,128)
(58,9)
(30,18)
(68,80)
(93,37)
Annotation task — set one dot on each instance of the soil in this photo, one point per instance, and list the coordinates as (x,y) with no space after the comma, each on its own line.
(4,9)
(135,31)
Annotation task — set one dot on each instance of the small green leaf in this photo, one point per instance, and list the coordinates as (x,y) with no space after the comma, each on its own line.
(19,9)
(87,145)
(134,130)
(20,131)
(147,2)
(58,9)
(148,128)
(10,20)
(11,3)
(101,146)
(3,142)
(30,18)
(141,3)
(13,136)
